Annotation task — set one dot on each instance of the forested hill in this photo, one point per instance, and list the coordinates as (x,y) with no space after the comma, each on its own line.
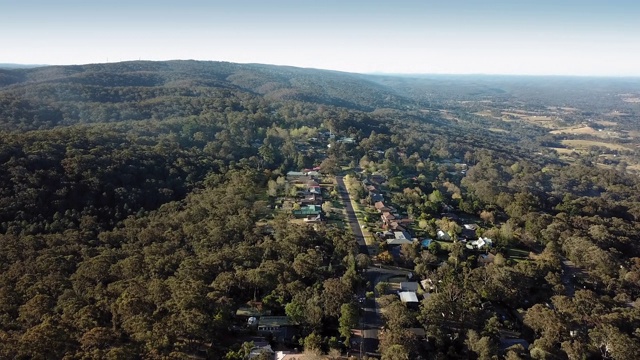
(64,95)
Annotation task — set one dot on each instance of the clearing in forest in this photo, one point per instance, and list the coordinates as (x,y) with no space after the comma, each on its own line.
(585,144)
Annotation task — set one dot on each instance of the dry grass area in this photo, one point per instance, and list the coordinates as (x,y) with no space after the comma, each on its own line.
(498,130)
(562,108)
(447,115)
(585,144)
(632,100)
(576,130)
(607,123)
(587,130)
(475,102)
(563,151)
(540,120)
(483,113)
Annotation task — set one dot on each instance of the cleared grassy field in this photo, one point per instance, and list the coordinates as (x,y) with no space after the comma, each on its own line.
(576,130)
(564,150)
(585,144)
(541,120)
(486,113)
(518,253)
(606,123)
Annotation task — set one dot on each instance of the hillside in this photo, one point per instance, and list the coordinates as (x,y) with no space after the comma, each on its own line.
(144,205)
(65,95)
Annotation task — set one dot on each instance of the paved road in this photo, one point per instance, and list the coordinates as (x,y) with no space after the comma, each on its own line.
(371,320)
(351,216)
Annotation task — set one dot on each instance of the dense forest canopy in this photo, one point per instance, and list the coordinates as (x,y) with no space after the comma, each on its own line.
(137,208)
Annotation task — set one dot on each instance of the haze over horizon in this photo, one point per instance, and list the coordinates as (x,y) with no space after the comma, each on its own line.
(587,38)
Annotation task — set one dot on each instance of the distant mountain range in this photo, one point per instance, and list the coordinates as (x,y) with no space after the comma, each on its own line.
(18,66)
(33,96)
(273,82)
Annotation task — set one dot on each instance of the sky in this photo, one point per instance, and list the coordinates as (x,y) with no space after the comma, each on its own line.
(542,37)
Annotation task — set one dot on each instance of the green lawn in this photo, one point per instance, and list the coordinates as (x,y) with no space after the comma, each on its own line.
(339,223)
(518,253)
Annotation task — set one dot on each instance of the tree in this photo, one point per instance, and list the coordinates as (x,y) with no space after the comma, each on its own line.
(330,166)
(295,311)
(435,247)
(272,188)
(327,207)
(395,352)
(348,320)
(613,343)
(484,347)
(382,287)
(335,293)
(363,261)
(313,342)
(397,316)
(487,217)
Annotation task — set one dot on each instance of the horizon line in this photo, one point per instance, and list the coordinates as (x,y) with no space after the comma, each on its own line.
(17,65)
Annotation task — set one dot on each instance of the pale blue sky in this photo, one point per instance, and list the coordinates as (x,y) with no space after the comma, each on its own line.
(561,37)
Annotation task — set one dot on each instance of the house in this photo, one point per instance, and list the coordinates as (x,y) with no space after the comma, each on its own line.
(441,235)
(409,298)
(427,284)
(473,227)
(347,140)
(312,183)
(396,238)
(387,217)
(313,174)
(481,243)
(377,179)
(486,259)
(295,174)
(401,235)
(376,197)
(313,219)
(395,226)
(315,190)
(468,234)
(307,210)
(259,350)
(386,235)
(409,286)
(245,312)
(311,199)
(397,242)
(279,326)
(288,355)
(379,205)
